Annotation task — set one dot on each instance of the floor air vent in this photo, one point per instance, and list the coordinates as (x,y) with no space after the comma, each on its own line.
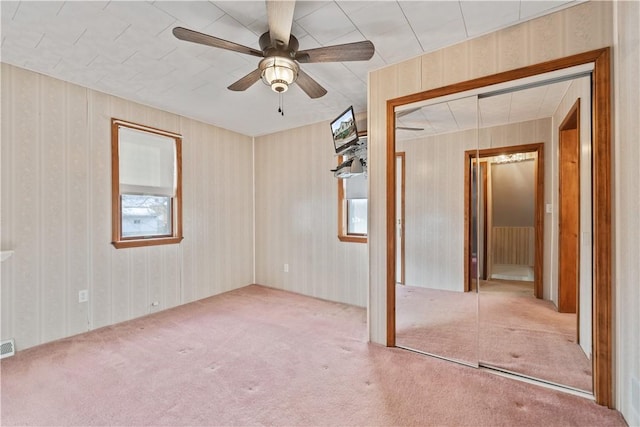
(7,348)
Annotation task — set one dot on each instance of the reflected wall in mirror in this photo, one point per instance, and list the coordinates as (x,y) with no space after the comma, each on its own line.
(435,312)
(503,176)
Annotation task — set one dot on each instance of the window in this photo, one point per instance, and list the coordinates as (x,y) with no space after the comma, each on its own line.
(146,185)
(352,208)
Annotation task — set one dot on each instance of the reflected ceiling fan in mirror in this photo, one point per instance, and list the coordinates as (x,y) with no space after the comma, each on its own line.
(279,67)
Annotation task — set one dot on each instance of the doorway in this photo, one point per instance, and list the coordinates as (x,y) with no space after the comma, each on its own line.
(484,236)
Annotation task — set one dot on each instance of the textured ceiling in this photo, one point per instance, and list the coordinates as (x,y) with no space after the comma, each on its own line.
(127,49)
(466,113)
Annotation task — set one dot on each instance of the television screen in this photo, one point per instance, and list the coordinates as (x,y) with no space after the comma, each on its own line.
(345,133)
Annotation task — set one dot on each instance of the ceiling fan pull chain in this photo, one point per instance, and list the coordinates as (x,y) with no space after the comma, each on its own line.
(280,109)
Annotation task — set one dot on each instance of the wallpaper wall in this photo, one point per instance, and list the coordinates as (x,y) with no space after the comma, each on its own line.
(297,218)
(56,213)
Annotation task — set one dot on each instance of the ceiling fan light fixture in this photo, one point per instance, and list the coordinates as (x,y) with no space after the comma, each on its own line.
(278,72)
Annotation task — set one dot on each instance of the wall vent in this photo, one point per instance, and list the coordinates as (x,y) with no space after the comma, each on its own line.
(7,348)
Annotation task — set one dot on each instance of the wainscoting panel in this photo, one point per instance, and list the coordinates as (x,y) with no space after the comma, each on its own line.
(56,213)
(513,245)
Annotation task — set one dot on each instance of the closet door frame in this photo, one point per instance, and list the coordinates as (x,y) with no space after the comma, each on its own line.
(601,187)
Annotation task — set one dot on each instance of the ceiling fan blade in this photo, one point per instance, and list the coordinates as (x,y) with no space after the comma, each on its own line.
(247,81)
(205,39)
(357,51)
(409,128)
(280,16)
(310,86)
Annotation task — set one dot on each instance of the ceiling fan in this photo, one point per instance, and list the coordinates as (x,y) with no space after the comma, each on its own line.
(279,66)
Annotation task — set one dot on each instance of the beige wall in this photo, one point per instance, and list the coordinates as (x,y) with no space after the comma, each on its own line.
(296,220)
(434,198)
(627,208)
(56,213)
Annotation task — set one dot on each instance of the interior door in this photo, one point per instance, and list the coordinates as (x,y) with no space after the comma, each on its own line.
(435,313)
(569,221)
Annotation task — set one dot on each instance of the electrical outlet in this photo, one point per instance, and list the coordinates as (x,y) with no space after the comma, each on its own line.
(286,268)
(155,304)
(83,295)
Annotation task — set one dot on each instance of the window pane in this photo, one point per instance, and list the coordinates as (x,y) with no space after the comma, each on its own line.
(145,216)
(357,216)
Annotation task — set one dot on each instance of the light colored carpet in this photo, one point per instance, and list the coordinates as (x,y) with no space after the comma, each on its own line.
(514,331)
(524,334)
(257,356)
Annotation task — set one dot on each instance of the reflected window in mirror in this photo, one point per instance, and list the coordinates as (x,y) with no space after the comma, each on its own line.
(352,208)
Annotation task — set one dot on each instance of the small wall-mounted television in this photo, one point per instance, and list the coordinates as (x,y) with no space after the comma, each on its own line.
(344,131)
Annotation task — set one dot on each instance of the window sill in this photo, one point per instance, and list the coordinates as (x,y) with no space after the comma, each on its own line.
(136,243)
(353,239)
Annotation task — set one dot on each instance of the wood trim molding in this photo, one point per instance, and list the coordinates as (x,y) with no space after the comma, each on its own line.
(602,171)
(402,156)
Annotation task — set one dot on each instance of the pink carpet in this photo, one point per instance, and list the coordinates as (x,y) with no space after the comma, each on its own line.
(528,335)
(257,356)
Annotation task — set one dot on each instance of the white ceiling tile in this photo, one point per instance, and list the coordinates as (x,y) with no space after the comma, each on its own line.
(495,110)
(152,47)
(148,67)
(8,8)
(435,24)
(142,15)
(227,28)
(396,45)
(115,52)
(76,9)
(36,12)
(304,8)
(536,7)
(75,54)
(104,66)
(326,23)
(15,34)
(187,64)
(483,16)
(379,17)
(245,12)
(195,15)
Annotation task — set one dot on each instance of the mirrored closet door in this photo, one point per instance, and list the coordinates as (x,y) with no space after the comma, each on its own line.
(493,238)
(436,296)
(536,283)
